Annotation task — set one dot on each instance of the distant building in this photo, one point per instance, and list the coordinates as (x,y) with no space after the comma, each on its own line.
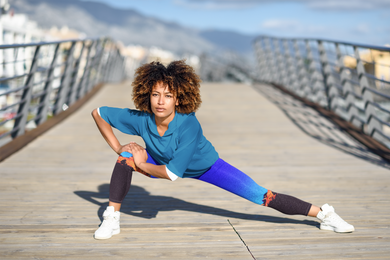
(158,54)
(137,55)
(376,63)
(63,33)
(17,29)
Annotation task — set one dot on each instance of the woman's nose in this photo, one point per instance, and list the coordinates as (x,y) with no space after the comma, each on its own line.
(161,100)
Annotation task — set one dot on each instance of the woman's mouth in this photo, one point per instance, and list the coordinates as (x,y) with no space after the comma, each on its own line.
(160,109)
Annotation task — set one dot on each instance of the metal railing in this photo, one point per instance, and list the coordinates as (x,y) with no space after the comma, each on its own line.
(353,80)
(229,67)
(40,80)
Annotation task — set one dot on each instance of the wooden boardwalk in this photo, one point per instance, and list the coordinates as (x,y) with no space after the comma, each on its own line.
(54,190)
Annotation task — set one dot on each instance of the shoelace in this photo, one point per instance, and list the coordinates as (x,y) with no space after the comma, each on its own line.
(108,221)
(335,218)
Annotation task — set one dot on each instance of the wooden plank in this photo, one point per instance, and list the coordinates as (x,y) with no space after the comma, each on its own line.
(54,190)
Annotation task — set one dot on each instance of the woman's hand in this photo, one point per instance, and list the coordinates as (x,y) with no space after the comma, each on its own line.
(124,148)
(139,153)
(141,156)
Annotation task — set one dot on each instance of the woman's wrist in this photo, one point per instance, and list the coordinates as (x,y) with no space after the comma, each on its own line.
(118,149)
(141,164)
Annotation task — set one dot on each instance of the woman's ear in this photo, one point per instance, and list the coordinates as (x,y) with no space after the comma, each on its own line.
(177,102)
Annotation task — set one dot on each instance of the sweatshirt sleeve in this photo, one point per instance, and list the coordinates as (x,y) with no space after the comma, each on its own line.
(126,120)
(190,134)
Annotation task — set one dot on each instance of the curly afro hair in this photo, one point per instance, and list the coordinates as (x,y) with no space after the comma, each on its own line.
(180,78)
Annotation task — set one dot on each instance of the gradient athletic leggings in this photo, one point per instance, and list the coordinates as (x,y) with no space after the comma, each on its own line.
(221,174)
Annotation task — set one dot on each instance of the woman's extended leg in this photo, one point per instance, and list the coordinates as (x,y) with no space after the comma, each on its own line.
(231,179)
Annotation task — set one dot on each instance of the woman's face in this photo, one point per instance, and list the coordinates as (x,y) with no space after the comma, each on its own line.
(163,102)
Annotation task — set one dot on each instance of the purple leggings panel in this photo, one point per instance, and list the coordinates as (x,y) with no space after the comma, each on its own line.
(229,178)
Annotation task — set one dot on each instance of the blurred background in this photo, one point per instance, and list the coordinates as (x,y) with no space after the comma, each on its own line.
(178,28)
(216,37)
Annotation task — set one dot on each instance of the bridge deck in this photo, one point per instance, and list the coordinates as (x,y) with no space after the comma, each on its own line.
(54,190)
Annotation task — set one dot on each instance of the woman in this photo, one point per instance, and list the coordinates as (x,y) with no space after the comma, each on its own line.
(166,99)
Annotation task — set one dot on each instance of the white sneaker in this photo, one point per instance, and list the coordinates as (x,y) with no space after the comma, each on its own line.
(110,225)
(333,222)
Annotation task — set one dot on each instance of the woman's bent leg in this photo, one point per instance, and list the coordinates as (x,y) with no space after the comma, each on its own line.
(227,177)
(120,181)
(119,187)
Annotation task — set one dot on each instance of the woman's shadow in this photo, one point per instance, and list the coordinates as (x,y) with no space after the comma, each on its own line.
(140,203)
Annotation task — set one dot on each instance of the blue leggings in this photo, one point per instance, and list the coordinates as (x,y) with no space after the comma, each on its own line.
(220,174)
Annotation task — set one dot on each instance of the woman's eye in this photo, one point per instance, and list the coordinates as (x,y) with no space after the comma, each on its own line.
(168,96)
(154,95)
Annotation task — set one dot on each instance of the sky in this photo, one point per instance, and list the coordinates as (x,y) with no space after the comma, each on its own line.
(356,21)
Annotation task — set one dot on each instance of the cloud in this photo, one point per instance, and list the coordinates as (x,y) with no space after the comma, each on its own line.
(292,27)
(331,5)
(349,5)
(281,25)
(216,4)
(360,33)
(362,28)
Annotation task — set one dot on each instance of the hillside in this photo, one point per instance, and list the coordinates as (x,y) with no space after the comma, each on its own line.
(130,26)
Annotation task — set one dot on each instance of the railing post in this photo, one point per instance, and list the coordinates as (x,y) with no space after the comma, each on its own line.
(119,66)
(72,96)
(110,65)
(326,73)
(372,123)
(279,62)
(82,89)
(272,61)
(263,73)
(268,61)
(107,65)
(310,68)
(303,77)
(115,63)
(23,110)
(95,65)
(45,98)
(123,66)
(316,80)
(100,62)
(291,78)
(63,89)
(348,91)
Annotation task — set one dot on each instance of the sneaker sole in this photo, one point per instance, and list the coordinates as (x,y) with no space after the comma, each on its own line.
(325,227)
(114,232)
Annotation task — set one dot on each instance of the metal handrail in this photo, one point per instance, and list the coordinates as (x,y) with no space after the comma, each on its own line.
(333,74)
(35,44)
(50,78)
(359,45)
